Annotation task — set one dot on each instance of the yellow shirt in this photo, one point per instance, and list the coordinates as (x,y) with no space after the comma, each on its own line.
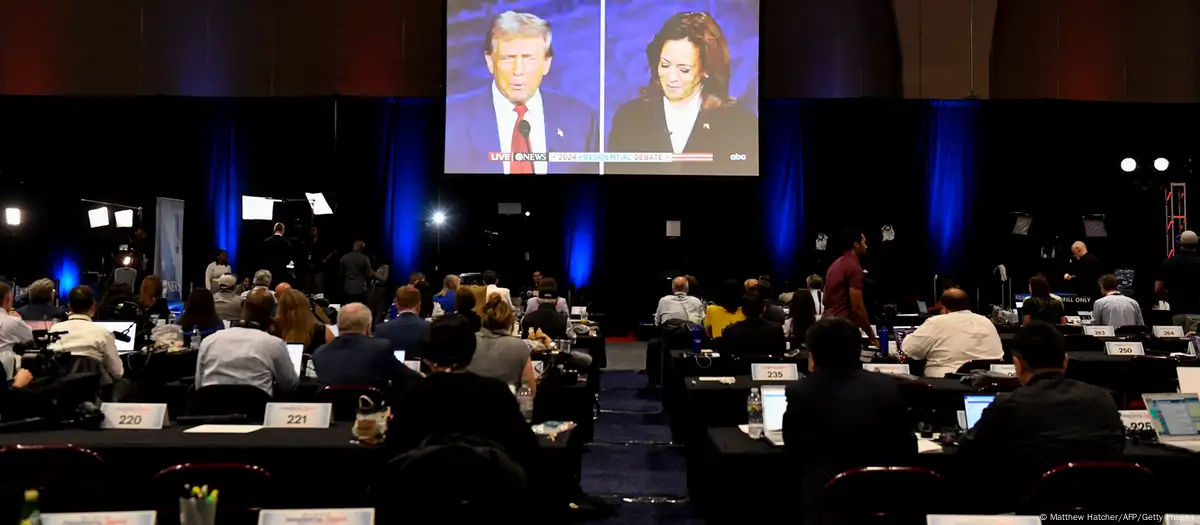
(717,318)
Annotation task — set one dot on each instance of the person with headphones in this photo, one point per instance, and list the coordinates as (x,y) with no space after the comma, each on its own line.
(246,354)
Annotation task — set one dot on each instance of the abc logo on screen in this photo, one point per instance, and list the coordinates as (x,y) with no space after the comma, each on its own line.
(737,156)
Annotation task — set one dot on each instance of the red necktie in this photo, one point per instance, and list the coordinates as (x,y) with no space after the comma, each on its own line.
(519,144)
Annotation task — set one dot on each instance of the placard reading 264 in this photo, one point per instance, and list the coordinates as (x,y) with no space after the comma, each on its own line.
(298,415)
(774,372)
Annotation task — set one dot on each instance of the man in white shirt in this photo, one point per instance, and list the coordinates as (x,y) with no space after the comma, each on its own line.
(247,355)
(216,269)
(12,331)
(82,337)
(492,281)
(949,340)
(679,305)
(1114,308)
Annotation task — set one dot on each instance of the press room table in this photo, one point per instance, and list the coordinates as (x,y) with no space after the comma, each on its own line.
(732,475)
(314,467)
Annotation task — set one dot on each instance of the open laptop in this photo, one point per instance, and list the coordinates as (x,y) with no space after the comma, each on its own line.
(1175,418)
(122,327)
(1189,379)
(774,406)
(296,354)
(973,405)
(399,355)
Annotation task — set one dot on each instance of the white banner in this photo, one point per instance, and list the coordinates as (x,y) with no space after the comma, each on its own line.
(168,247)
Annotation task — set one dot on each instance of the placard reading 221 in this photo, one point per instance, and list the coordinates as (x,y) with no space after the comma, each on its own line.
(298,415)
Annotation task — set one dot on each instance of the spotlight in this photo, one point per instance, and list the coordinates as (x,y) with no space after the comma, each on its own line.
(439,218)
(12,216)
(526,214)
(124,218)
(127,260)
(1161,164)
(1128,165)
(98,217)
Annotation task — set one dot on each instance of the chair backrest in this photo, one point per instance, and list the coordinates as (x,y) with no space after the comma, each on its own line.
(1132,329)
(126,276)
(875,491)
(1096,486)
(345,399)
(122,311)
(223,400)
(243,488)
(70,478)
(979,364)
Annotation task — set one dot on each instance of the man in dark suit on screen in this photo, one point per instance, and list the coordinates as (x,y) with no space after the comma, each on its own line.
(514,114)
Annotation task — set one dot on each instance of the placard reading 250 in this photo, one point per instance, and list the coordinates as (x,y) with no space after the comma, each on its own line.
(298,415)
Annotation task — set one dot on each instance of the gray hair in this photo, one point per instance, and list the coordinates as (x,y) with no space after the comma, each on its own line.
(262,278)
(510,24)
(354,318)
(41,291)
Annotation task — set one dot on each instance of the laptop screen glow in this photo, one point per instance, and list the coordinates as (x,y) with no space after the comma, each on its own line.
(296,354)
(122,327)
(974,406)
(1189,379)
(399,355)
(1174,415)
(774,406)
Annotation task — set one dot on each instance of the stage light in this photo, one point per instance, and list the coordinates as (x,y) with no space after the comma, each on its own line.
(439,218)
(1128,165)
(98,217)
(124,218)
(1161,164)
(526,214)
(127,260)
(12,216)
(258,208)
(319,205)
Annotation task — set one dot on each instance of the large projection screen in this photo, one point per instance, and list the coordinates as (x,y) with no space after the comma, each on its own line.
(619,87)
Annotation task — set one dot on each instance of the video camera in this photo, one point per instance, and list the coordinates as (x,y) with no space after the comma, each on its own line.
(45,362)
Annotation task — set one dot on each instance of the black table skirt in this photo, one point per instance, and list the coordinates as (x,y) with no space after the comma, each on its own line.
(731,475)
(313,468)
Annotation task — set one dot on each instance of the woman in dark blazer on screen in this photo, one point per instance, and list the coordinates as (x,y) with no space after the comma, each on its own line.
(685,107)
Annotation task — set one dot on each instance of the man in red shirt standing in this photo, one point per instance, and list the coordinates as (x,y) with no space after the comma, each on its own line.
(844,283)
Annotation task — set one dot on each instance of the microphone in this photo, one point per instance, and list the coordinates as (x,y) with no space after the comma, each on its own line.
(523,129)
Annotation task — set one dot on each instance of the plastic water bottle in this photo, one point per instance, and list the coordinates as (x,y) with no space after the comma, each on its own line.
(883,339)
(195,345)
(697,340)
(525,400)
(754,410)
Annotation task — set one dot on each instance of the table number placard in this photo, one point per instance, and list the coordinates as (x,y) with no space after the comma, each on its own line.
(141,517)
(1098,331)
(134,416)
(1005,369)
(1136,420)
(1168,332)
(317,516)
(886,368)
(1124,348)
(298,415)
(774,372)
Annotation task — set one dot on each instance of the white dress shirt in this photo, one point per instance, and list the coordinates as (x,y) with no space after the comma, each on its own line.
(506,121)
(245,356)
(214,272)
(681,121)
(85,338)
(12,331)
(491,289)
(679,306)
(948,341)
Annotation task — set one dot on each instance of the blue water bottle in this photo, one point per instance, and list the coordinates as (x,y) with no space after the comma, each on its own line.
(697,340)
(883,339)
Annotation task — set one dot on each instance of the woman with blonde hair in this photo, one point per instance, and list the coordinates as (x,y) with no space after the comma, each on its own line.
(498,354)
(295,322)
(445,298)
(151,298)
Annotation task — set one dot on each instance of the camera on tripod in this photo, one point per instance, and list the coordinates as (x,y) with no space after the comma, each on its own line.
(43,362)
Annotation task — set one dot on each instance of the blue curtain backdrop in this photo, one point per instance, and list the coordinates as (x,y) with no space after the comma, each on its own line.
(782,172)
(951,136)
(405,153)
(225,185)
(65,268)
(585,206)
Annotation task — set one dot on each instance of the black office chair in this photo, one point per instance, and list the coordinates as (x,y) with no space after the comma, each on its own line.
(70,478)
(1084,486)
(225,400)
(845,498)
(1132,329)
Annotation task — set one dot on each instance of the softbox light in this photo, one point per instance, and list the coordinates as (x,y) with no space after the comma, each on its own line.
(12,216)
(257,208)
(1093,226)
(124,218)
(1021,225)
(319,205)
(98,217)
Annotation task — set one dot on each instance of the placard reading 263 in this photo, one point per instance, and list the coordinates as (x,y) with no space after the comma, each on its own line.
(774,372)
(298,415)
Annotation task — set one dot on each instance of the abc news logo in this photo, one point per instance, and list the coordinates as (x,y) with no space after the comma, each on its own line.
(531,157)
(172,286)
(737,156)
